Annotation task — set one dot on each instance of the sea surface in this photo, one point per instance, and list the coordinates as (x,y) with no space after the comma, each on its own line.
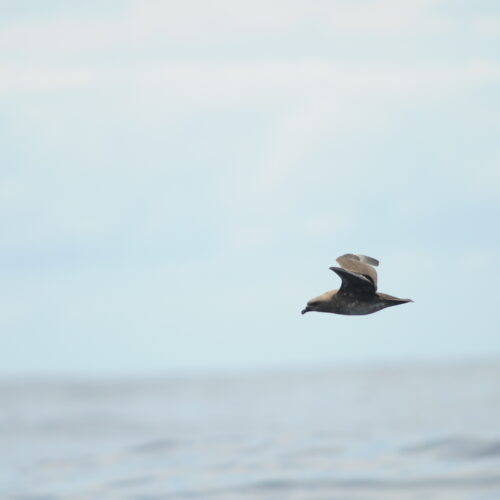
(423,431)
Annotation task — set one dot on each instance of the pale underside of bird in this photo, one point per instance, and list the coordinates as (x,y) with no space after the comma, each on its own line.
(357,294)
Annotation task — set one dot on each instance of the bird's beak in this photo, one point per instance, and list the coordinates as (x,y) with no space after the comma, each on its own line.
(307,309)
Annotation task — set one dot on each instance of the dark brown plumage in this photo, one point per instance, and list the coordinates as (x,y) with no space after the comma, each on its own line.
(358,293)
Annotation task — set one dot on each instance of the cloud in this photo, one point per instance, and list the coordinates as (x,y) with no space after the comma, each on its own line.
(224,28)
(148,23)
(308,107)
(226,81)
(386,18)
(308,101)
(27,79)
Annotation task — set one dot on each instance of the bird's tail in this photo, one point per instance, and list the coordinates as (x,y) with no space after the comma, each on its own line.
(393,301)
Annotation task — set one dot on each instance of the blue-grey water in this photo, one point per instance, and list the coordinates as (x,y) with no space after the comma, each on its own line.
(409,432)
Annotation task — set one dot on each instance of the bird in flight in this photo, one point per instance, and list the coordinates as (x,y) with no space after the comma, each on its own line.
(357,294)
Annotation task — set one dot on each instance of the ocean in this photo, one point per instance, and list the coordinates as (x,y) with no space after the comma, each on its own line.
(419,431)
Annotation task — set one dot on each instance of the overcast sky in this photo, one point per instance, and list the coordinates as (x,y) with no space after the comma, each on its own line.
(177,177)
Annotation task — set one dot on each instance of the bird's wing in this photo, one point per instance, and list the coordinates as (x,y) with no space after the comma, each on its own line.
(360,264)
(353,283)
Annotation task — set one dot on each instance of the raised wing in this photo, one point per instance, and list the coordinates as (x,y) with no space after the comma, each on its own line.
(361,265)
(354,284)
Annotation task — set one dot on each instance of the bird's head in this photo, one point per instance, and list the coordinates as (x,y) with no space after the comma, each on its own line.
(312,306)
(320,304)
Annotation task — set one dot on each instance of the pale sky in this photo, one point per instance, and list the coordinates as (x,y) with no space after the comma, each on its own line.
(177,178)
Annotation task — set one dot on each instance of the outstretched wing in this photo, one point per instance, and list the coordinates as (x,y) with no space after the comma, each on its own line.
(361,265)
(354,284)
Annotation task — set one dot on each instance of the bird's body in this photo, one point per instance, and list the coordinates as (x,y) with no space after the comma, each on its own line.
(358,294)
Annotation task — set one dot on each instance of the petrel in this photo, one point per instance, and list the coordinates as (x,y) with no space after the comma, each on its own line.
(357,294)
